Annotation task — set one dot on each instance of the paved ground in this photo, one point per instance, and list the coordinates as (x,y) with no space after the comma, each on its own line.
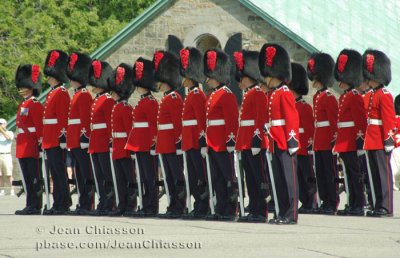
(314,236)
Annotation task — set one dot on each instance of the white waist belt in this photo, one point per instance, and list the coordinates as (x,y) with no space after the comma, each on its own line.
(322,124)
(189,122)
(301,130)
(278,122)
(345,124)
(30,129)
(74,121)
(165,126)
(50,121)
(247,123)
(374,121)
(215,122)
(140,124)
(119,135)
(98,126)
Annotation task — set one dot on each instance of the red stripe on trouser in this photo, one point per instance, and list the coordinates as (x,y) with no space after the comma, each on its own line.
(295,190)
(265,182)
(388,181)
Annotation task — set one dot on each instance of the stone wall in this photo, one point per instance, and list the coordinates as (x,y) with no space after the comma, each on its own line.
(189,19)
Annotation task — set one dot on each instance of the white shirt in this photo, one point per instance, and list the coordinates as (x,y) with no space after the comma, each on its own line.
(5,145)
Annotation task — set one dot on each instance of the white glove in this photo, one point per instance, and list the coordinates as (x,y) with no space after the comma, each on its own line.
(179,152)
(63,145)
(153,153)
(84,145)
(230,148)
(292,151)
(203,152)
(255,151)
(311,152)
(389,148)
(360,152)
(133,156)
(334,152)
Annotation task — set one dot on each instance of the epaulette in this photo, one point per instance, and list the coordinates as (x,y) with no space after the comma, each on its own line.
(258,88)
(328,93)
(126,103)
(151,97)
(303,101)
(108,96)
(227,89)
(63,88)
(84,90)
(285,88)
(196,91)
(35,99)
(173,95)
(385,91)
(355,92)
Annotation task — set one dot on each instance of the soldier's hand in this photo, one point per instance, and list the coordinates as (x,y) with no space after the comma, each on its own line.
(292,151)
(389,148)
(360,152)
(203,152)
(230,148)
(179,152)
(255,151)
(153,152)
(63,145)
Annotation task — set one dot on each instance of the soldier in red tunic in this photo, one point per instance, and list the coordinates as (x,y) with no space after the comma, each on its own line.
(251,141)
(379,140)
(121,86)
(320,72)
(351,127)
(78,131)
(193,129)
(55,122)
(222,125)
(169,134)
(28,80)
(299,87)
(100,136)
(274,64)
(142,138)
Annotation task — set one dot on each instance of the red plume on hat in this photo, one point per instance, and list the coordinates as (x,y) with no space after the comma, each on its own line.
(157,59)
(167,70)
(144,74)
(191,65)
(274,62)
(56,65)
(79,65)
(99,73)
(320,68)
(217,65)
(247,65)
(121,81)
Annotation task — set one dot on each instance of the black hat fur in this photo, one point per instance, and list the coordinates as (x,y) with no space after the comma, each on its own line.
(299,83)
(191,64)
(56,65)
(144,69)
(166,66)
(78,67)
(99,73)
(121,81)
(376,67)
(320,68)
(217,65)
(24,78)
(247,65)
(348,68)
(274,61)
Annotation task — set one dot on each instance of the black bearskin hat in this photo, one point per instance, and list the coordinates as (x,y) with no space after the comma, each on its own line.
(376,67)
(274,61)
(397,105)
(143,74)
(99,74)
(166,66)
(56,65)
(29,76)
(191,65)
(217,65)
(247,65)
(121,81)
(348,68)
(299,83)
(320,68)
(78,67)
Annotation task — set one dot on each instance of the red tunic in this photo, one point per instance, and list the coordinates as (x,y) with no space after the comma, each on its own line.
(144,130)
(351,121)
(283,119)
(222,118)
(253,116)
(306,126)
(193,119)
(366,96)
(79,118)
(121,124)
(30,114)
(169,123)
(325,119)
(100,123)
(381,119)
(55,117)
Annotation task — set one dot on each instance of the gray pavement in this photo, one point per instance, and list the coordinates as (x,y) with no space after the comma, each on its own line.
(314,236)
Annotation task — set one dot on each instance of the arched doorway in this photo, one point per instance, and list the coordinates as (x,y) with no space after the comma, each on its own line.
(207,41)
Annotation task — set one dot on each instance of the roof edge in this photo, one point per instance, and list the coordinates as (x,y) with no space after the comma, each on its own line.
(279,26)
